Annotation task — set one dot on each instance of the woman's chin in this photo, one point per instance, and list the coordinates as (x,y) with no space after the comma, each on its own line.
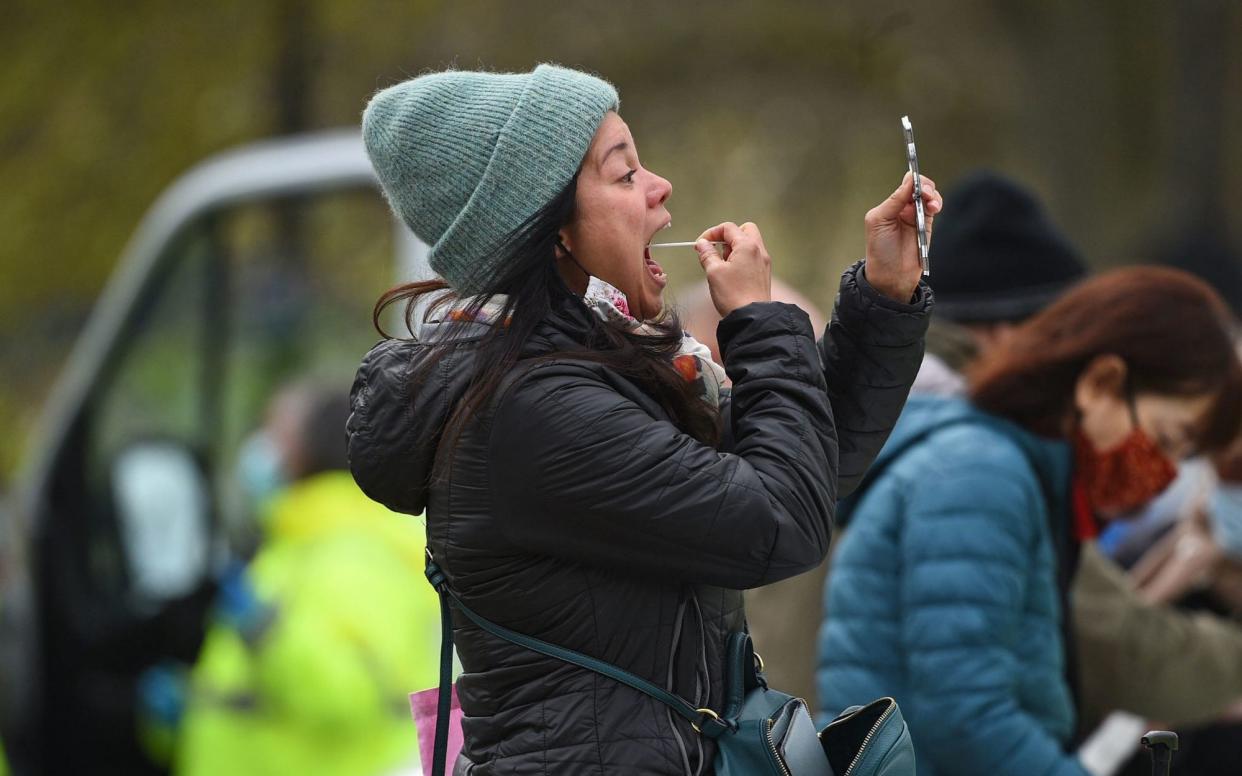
(651,306)
(653,292)
(645,298)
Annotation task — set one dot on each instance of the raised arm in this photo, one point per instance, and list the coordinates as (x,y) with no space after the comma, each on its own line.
(584,471)
(872,349)
(871,352)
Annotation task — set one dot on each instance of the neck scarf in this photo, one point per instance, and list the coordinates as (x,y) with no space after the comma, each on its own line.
(693,360)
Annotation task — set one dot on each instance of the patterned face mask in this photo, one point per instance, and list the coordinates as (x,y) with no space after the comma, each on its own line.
(693,360)
(1126,476)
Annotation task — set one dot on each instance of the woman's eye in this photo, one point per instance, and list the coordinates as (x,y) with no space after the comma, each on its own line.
(629,176)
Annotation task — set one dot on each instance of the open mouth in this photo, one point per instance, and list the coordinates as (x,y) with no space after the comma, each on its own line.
(657,272)
(653,267)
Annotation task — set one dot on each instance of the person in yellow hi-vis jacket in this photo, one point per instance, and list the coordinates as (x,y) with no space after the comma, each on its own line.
(319,640)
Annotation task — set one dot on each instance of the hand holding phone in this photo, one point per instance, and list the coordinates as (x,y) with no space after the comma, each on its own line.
(899,230)
(912,159)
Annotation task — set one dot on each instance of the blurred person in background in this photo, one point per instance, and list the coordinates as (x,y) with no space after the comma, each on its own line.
(317,641)
(586,481)
(1170,648)
(949,590)
(1208,255)
(783,617)
(1202,555)
(1000,259)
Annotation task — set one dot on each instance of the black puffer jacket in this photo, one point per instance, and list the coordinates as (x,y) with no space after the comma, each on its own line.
(575,512)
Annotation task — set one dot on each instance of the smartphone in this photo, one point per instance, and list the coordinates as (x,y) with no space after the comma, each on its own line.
(920,217)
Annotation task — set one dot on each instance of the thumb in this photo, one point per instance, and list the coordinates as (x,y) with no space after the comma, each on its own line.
(708,254)
(890,209)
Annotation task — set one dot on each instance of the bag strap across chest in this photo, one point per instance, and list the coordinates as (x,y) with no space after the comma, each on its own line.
(705,721)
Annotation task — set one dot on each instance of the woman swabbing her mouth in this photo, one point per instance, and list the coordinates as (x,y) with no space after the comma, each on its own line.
(586,479)
(619,209)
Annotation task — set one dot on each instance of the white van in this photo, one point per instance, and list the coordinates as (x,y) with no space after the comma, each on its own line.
(259,266)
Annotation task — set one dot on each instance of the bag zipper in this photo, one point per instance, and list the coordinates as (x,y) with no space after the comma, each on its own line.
(867,740)
(775,754)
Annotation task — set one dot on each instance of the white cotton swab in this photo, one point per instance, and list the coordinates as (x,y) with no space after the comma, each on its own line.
(682,245)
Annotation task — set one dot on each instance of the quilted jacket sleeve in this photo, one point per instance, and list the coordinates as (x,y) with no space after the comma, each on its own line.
(871,352)
(967,554)
(584,472)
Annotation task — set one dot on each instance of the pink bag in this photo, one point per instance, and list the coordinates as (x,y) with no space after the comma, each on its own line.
(423,707)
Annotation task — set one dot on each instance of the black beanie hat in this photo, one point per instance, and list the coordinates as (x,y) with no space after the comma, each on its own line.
(995,254)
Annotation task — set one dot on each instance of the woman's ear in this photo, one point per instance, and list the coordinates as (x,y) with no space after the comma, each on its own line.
(1103,380)
(573,273)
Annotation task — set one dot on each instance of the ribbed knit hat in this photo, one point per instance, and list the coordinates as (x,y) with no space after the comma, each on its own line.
(465,158)
(996,255)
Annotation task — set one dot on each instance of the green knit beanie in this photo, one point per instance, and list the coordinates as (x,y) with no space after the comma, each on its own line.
(465,158)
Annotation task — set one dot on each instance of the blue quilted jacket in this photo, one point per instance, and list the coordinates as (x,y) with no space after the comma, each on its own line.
(943,594)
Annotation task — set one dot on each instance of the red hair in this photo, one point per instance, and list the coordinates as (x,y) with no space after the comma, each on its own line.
(1173,331)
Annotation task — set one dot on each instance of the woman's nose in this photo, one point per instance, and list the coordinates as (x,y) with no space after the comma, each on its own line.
(659,191)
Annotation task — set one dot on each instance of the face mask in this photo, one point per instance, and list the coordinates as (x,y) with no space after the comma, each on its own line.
(1125,477)
(1225,509)
(259,469)
(608,302)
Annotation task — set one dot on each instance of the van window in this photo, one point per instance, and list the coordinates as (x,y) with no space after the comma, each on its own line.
(255,298)
(304,276)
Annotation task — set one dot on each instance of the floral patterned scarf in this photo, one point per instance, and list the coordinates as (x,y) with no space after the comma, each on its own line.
(693,360)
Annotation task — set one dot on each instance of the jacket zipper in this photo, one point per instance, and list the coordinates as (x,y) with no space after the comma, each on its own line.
(870,734)
(775,754)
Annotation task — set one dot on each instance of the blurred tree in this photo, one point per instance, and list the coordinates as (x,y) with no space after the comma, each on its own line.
(784,113)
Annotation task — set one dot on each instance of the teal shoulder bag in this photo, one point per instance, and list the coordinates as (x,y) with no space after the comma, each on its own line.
(759,731)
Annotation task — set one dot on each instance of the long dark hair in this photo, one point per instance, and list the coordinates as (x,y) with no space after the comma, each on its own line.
(1173,331)
(535,294)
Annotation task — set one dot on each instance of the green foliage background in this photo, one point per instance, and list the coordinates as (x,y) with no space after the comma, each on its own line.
(1123,115)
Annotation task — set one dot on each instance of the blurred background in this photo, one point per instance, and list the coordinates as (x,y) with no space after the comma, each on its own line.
(1123,116)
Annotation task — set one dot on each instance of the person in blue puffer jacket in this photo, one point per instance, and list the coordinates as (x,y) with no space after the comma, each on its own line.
(947,591)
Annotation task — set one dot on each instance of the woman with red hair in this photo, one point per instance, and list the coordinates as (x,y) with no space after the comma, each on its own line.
(948,591)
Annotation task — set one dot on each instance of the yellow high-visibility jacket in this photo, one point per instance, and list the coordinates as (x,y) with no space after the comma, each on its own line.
(346,627)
